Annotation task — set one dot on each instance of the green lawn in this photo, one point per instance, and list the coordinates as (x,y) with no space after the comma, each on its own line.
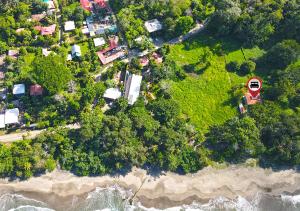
(206,97)
(84,48)
(28,58)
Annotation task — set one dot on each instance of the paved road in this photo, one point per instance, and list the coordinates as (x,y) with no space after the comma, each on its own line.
(9,138)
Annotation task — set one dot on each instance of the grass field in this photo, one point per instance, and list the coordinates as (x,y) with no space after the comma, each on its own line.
(84,48)
(206,98)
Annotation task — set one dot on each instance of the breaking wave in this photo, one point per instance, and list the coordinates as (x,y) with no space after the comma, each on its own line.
(117,199)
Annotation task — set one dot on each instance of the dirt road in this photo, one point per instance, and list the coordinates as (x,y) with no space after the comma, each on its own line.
(9,138)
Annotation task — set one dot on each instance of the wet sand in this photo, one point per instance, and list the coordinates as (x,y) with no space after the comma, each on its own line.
(59,188)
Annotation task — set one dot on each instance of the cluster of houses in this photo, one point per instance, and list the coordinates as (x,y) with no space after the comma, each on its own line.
(97,28)
(12,116)
(44,30)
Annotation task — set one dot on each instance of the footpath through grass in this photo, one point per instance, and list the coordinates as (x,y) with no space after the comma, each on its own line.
(206,97)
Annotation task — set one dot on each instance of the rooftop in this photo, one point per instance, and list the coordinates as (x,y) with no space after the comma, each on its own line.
(46,30)
(13,53)
(69,25)
(45,52)
(19,89)
(153,25)
(2,120)
(11,116)
(36,90)
(250,100)
(132,88)
(99,41)
(38,17)
(76,52)
(112,93)
(85,4)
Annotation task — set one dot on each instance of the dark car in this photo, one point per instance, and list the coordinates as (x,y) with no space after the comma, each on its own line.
(254,84)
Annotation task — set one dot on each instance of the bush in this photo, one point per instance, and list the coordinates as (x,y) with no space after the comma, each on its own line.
(233,66)
(248,67)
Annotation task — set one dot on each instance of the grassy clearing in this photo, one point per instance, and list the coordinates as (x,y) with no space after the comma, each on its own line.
(28,58)
(84,48)
(206,98)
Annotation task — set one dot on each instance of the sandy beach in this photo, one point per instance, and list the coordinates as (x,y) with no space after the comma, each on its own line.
(160,192)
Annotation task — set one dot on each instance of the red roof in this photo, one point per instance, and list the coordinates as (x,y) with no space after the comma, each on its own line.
(113,43)
(46,30)
(101,3)
(144,61)
(36,90)
(250,100)
(158,58)
(106,60)
(86,4)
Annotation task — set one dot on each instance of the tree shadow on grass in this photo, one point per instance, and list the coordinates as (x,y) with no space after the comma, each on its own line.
(194,69)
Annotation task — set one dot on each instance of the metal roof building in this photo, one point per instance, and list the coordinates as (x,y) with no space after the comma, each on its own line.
(132,88)
(19,89)
(153,25)
(11,116)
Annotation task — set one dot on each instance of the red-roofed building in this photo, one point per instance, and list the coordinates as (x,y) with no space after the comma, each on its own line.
(86,4)
(158,58)
(46,30)
(36,90)
(113,43)
(249,100)
(144,61)
(108,59)
(101,3)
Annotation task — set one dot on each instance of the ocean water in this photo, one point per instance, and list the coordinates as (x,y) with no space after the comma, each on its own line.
(117,199)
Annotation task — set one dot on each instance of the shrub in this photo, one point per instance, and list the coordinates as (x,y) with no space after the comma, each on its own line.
(233,66)
(248,67)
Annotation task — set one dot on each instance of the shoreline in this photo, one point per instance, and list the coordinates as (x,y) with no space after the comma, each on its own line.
(161,192)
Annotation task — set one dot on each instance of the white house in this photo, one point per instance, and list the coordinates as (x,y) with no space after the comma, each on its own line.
(76,52)
(153,25)
(69,25)
(99,41)
(112,93)
(19,89)
(11,116)
(85,30)
(45,52)
(132,88)
(2,120)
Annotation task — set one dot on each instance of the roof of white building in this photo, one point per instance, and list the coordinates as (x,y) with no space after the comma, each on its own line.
(85,30)
(19,89)
(69,25)
(76,50)
(11,116)
(153,25)
(133,86)
(99,41)
(2,122)
(112,93)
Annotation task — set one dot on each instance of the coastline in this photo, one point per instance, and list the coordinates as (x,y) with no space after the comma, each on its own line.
(160,192)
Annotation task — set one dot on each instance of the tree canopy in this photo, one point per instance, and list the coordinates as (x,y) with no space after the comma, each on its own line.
(51,72)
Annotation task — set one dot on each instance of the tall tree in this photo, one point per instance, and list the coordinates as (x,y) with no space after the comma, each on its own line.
(51,72)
